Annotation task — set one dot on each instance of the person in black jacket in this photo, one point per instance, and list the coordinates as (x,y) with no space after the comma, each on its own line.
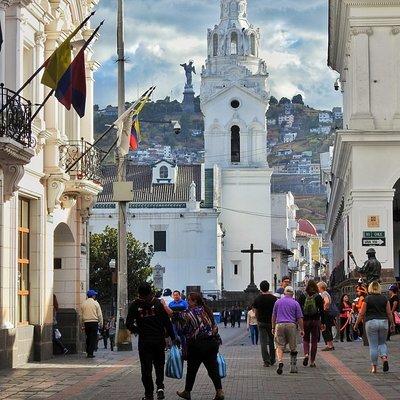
(148,319)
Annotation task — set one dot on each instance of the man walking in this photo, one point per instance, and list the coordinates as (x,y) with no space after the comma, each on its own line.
(148,319)
(264,305)
(91,318)
(286,316)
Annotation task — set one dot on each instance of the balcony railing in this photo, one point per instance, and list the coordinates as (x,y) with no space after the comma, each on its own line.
(88,167)
(15,119)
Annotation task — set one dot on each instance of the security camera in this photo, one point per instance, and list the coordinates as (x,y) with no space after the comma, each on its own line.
(176,127)
(336,85)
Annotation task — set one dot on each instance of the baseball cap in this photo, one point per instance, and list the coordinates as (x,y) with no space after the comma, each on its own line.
(393,288)
(288,289)
(91,293)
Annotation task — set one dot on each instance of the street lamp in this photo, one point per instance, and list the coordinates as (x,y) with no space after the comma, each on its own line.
(112,264)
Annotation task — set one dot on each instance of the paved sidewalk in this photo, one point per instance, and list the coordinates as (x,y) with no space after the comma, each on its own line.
(342,374)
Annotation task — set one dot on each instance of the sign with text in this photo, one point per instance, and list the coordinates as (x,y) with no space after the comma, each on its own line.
(374,234)
(374,242)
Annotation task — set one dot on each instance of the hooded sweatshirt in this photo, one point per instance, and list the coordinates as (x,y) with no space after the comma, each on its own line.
(148,319)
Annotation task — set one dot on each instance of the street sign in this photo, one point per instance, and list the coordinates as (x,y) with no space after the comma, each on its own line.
(374,234)
(374,242)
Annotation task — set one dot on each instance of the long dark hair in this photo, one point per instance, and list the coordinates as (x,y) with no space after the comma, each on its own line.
(342,298)
(311,288)
(198,299)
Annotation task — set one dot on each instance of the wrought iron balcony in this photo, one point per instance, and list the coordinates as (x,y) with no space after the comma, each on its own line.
(15,119)
(81,160)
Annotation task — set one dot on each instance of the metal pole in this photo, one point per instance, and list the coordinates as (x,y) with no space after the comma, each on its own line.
(123,336)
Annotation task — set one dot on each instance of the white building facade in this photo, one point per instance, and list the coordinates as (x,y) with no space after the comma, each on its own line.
(173,213)
(43,209)
(364,208)
(234,99)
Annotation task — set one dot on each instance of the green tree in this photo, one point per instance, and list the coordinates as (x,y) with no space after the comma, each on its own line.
(273,101)
(103,248)
(298,99)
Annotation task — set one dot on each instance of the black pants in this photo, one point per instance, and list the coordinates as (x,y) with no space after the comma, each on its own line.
(343,322)
(267,342)
(327,333)
(91,329)
(152,353)
(205,352)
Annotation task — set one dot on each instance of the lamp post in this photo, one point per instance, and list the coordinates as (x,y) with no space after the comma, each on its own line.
(112,264)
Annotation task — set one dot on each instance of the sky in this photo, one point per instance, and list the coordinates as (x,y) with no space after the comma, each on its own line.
(161,34)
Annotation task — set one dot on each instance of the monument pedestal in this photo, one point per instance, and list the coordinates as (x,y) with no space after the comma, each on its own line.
(188,99)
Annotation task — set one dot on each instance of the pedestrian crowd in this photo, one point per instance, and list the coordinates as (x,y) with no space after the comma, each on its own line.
(275,320)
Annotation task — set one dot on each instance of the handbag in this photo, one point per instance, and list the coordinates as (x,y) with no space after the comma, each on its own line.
(221,365)
(174,366)
(396,318)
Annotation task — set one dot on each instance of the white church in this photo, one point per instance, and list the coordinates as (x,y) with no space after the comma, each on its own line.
(200,217)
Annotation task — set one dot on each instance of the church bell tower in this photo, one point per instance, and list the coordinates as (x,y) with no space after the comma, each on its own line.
(234,100)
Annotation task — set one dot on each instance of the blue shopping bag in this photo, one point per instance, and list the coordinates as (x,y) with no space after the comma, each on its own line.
(221,365)
(174,367)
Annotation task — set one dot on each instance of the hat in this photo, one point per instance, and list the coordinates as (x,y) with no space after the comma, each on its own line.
(371,251)
(91,293)
(393,288)
(167,292)
(288,289)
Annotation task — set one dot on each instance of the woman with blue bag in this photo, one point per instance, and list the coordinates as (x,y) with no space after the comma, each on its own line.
(203,341)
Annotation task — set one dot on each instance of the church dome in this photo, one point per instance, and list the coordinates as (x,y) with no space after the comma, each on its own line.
(306,228)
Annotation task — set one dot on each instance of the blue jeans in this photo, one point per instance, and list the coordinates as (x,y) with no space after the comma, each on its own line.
(254,334)
(377,330)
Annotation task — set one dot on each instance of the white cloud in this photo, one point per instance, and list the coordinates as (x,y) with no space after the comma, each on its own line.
(159,35)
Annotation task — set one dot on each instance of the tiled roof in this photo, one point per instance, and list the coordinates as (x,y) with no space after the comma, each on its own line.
(145,192)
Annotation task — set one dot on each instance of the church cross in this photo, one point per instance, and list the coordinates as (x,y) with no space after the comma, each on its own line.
(252,251)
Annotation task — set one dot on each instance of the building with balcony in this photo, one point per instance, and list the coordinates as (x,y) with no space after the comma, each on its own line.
(45,192)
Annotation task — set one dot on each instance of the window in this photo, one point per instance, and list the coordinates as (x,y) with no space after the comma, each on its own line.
(302,252)
(164,172)
(235,103)
(253,44)
(160,241)
(215,44)
(234,43)
(235,144)
(23,260)
(235,269)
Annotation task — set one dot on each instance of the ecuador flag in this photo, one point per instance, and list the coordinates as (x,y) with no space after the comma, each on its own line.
(59,61)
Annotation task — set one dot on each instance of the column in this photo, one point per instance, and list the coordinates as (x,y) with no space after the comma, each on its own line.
(4,4)
(38,90)
(361,117)
(395,39)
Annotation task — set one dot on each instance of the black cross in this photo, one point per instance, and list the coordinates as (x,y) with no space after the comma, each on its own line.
(252,252)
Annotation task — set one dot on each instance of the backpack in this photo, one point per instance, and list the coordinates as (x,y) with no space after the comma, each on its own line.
(310,306)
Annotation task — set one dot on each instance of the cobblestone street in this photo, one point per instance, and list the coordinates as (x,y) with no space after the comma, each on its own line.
(343,373)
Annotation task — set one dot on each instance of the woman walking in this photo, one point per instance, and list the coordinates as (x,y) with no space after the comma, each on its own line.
(252,325)
(203,342)
(394,302)
(345,317)
(312,306)
(377,313)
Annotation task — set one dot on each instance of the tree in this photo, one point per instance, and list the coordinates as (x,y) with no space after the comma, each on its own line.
(273,101)
(284,100)
(298,99)
(103,248)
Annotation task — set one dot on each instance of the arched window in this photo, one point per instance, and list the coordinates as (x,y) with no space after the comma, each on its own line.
(234,43)
(163,172)
(235,144)
(253,44)
(215,44)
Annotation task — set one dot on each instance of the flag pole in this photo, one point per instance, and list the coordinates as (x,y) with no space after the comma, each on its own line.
(124,342)
(12,98)
(42,105)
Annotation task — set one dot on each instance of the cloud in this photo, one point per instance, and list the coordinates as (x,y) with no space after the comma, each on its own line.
(161,34)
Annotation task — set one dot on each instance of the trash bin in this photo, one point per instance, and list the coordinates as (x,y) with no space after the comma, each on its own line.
(217,317)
